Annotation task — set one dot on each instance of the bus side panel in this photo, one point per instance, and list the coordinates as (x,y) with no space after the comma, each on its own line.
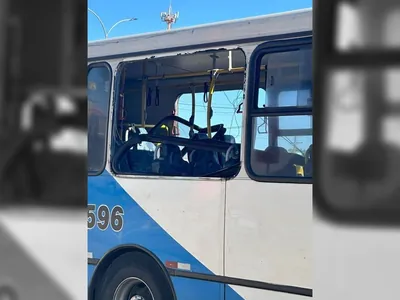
(257,294)
(191,289)
(269,235)
(179,221)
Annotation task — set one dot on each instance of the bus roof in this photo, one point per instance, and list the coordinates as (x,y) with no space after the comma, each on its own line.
(238,31)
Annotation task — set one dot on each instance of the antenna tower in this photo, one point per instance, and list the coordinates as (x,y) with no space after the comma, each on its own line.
(169,17)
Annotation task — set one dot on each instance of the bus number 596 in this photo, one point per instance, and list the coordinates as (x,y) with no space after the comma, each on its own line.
(102,217)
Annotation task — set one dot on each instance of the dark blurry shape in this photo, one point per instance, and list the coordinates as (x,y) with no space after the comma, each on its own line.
(8,293)
(356,116)
(43,115)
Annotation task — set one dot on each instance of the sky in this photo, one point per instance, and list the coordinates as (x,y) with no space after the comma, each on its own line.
(190,13)
(194,13)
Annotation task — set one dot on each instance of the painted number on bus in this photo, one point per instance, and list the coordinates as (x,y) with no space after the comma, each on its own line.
(103,217)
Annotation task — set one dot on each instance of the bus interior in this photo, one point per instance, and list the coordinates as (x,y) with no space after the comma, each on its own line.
(174,117)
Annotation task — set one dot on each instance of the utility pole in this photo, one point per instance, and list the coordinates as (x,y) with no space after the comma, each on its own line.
(169,17)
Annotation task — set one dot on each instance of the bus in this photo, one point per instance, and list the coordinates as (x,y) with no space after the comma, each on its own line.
(200,162)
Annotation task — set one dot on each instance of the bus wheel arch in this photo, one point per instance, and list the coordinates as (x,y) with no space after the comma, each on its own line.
(116,253)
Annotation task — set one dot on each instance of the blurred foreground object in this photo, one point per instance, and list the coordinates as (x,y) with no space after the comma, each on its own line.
(357,117)
(43,134)
(43,110)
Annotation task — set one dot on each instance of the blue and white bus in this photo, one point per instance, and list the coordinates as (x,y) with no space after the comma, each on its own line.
(200,162)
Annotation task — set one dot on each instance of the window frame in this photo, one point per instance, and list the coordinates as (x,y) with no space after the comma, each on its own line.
(251,101)
(109,68)
(115,105)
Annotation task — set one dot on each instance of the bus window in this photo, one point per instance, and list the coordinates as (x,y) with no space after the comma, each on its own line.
(99,91)
(280,129)
(182,120)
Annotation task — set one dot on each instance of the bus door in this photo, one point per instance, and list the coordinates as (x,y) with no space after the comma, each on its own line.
(269,205)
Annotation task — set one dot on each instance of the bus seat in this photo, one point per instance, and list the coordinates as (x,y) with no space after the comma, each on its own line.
(273,161)
(275,155)
(203,162)
(200,136)
(170,162)
(222,156)
(196,136)
(136,160)
(296,159)
(229,139)
(140,161)
(233,157)
(279,163)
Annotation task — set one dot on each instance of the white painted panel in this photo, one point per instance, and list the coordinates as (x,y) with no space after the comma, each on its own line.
(257,294)
(191,211)
(356,263)
(269,232)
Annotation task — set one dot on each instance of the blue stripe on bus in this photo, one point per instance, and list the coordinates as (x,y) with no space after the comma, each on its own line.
(140,228)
